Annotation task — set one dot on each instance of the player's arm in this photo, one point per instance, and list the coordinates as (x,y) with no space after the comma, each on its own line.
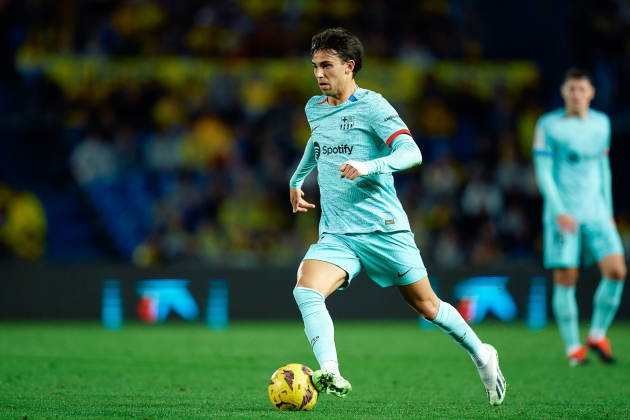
(405,155)
(390,128)
(543,166)
(307,163)
(606,183)
(606,176)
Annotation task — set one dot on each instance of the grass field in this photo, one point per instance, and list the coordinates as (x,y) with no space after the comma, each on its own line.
(186,371)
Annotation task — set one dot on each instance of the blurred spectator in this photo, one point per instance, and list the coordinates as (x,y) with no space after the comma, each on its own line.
(94,158)
(185,118)
(23,223)
(447,251)
(162,151)
(481,197)
(486,248)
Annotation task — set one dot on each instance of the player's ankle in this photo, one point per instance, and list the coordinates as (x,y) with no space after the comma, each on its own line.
(596,334)
(482,357)
(573,349)
(331,366)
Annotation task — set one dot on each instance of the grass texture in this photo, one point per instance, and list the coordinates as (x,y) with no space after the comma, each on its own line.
(187,371)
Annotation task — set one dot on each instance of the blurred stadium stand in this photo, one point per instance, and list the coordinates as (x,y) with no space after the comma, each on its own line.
(159,131)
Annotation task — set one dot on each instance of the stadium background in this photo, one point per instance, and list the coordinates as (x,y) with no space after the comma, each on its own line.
(155,138)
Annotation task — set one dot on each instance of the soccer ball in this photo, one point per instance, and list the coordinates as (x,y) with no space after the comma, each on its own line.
(291,388)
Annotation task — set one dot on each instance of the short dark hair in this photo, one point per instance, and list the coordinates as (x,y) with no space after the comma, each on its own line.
(347,46)
(577,73)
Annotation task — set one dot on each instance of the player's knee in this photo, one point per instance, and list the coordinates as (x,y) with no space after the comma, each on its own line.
(305,279)
(427,310)
(566,277)
(617,273)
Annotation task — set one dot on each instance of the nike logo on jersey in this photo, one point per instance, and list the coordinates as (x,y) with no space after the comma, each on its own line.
(400,275)
(316,127)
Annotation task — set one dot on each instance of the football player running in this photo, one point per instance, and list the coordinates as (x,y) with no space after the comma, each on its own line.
(357,141)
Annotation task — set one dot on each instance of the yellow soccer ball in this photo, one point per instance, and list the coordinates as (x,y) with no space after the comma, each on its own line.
(291,388)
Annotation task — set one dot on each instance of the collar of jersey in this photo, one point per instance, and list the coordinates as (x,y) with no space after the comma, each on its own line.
(589,115)
(352,98)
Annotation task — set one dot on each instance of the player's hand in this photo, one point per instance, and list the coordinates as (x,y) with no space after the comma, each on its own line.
(298,203)
(352,170)
(566,223)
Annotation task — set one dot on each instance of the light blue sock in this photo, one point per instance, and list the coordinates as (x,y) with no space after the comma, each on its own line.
(605,305)
(318,325)
(565,311)
(452,323)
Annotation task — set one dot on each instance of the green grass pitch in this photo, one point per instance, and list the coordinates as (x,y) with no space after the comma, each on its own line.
(186,371)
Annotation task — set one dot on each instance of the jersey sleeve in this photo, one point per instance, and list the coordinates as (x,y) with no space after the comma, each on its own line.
(385,121)
(405,155)
(543,166)
(543,145)
(606,175)
(305,167)
(608,131)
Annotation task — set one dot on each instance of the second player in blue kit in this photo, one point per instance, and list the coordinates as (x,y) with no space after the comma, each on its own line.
(571,148)
(357,141)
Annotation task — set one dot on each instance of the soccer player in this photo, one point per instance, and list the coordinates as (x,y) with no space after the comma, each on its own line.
(357,141)
(573,173)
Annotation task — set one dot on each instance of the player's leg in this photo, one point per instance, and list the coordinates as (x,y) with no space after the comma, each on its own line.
(328,265)
(605,244)
(421,297)
(608,295)
(562,254)
(322,276)
(565,311)
(394,259)
(605,304)
(316,280)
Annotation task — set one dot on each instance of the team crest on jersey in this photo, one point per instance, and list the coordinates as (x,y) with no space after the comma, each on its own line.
(317,150)
(346,123)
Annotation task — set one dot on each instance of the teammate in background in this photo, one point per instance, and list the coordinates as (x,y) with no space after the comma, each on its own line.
(357,141)
(573,173)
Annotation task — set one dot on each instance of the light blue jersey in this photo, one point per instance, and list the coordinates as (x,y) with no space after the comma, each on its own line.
(581,169)
(573,173)
(360,129)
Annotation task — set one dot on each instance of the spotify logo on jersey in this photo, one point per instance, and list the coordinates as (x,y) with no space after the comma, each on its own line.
(327,150)
(343,148)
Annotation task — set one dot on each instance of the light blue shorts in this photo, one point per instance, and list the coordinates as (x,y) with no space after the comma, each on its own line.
(389,258)
(593,240)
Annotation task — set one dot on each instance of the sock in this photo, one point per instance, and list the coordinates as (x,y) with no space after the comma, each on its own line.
(452,323)
(605,305)
(331,366)
(565,311)
(318,325)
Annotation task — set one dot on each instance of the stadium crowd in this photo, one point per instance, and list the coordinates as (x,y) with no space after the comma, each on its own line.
(201,172)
